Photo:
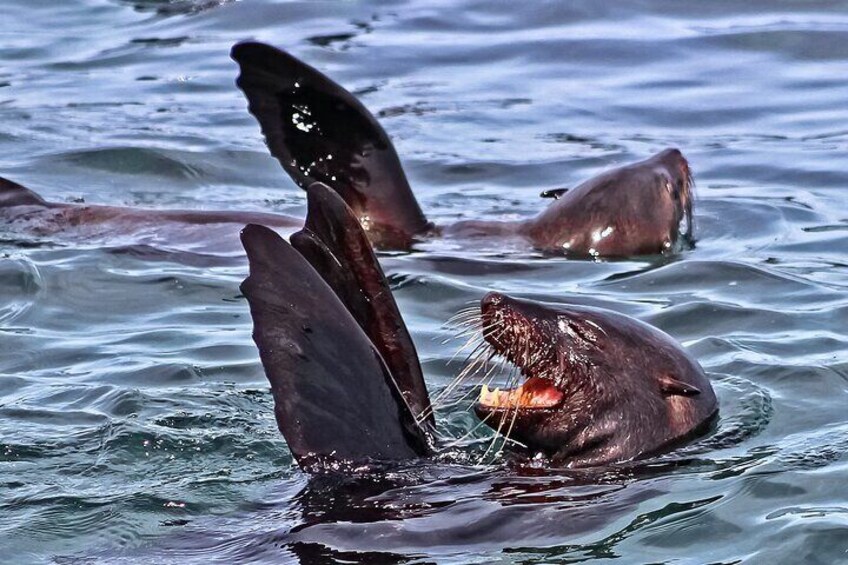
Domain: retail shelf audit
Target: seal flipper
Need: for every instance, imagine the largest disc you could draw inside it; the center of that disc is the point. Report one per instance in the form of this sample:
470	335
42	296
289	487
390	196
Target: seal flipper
334	243
334	398
319	131
14	194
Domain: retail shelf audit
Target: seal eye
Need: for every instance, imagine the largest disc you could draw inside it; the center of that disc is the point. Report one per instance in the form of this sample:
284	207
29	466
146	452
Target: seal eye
575	330
673	190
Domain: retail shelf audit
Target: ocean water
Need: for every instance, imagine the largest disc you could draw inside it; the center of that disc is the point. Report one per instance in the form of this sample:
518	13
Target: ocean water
135	420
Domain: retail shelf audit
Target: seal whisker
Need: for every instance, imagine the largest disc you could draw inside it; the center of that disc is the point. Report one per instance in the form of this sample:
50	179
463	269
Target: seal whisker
493	442
481	355
472	343
488	376
462	319
462	332
472	340
486	379
464	324
471	312
461	335
506	437
510	378
467	310
456	442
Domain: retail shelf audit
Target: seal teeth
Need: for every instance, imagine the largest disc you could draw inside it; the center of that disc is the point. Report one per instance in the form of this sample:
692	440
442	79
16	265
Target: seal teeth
534	394
487	396
495	397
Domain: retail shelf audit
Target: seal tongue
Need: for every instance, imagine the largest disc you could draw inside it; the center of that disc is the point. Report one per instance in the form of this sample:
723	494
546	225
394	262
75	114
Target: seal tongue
534	393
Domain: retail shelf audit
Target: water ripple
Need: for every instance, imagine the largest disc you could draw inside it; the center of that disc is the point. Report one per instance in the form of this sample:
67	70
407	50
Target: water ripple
135	420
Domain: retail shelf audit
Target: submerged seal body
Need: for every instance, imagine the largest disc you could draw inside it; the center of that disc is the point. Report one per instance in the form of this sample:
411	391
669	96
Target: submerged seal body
601	387
20	205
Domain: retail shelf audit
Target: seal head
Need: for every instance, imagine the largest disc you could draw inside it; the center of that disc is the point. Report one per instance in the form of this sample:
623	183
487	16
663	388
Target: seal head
599	387
636	209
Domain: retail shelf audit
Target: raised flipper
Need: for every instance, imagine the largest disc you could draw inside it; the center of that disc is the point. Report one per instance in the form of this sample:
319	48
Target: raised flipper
333	241
334	397
13	194
318	131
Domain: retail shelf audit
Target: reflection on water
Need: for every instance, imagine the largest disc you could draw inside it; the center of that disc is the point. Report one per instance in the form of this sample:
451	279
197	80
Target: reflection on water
135	422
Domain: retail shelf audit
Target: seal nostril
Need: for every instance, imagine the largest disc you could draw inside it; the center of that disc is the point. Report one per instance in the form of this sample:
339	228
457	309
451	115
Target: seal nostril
491	300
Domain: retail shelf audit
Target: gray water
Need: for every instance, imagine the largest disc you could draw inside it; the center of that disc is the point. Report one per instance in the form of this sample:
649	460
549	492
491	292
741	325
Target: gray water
135	421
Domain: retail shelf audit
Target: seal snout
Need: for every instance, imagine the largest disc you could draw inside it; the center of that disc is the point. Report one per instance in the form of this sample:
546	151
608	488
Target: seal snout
491	314
491	300
513	335
673	159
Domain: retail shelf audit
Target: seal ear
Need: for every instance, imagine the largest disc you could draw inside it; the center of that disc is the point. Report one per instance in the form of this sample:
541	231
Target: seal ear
334	397
319	131
14	194
673	387
554	193
333	241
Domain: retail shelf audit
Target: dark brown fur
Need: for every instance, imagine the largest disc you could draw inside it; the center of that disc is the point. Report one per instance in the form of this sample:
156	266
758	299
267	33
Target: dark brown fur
319	131
629	390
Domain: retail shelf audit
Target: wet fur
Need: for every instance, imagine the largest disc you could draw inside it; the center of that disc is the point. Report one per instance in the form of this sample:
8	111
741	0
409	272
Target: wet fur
629	389
348	387
319	131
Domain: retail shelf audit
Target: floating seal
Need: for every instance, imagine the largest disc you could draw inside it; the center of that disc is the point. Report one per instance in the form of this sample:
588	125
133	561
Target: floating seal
320	132
601	387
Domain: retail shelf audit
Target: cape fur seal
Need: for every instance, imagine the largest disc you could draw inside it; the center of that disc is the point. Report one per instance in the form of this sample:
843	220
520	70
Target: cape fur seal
320	132
600	387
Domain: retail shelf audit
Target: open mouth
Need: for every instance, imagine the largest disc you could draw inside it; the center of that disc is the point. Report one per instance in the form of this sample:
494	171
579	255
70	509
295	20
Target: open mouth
522	345
534	393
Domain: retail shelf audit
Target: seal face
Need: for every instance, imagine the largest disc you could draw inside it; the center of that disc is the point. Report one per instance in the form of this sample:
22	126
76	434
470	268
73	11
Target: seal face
631	210
599	386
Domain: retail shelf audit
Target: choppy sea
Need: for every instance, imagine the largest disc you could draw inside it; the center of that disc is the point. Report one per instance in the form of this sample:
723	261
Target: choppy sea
135	420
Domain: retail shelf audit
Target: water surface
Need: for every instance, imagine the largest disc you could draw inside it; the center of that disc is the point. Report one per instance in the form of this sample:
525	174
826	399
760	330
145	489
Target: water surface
135	421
